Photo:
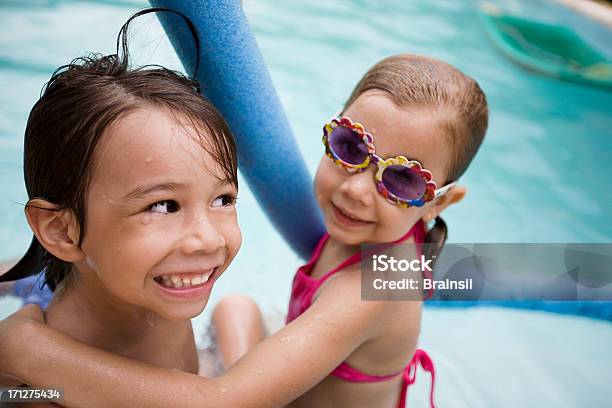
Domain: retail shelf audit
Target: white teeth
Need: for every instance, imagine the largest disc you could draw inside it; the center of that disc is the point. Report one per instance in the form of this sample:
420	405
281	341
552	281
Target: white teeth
177	282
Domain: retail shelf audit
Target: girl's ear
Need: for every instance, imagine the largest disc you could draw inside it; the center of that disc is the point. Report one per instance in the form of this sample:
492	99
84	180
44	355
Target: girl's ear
56	230
452	196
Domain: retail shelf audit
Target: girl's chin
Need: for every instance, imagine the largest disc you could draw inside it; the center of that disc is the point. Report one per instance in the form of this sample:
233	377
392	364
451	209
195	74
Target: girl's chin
345	237
176	315
177	312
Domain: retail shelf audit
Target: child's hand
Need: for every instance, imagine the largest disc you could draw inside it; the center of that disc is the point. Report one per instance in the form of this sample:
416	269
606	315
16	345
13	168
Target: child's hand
15	331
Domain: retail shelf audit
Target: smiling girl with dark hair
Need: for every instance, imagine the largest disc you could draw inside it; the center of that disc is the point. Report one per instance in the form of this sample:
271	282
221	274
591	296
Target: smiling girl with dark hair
131	178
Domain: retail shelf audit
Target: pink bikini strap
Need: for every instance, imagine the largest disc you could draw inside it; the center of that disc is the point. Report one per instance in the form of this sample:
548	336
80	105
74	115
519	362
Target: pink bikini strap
420	357
351	374
317	252
355	258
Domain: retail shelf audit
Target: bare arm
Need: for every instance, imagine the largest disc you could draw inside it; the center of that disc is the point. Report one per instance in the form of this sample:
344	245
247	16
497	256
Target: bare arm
277	371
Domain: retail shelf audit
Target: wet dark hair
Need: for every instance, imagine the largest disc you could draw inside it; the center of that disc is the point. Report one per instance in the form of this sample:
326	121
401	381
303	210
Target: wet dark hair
81	101
413	80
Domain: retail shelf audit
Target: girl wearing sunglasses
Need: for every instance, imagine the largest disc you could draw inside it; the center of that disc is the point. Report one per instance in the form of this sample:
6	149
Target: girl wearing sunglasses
392	159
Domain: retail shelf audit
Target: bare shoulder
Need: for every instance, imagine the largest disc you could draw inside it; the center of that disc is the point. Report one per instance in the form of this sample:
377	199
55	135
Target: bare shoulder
342	294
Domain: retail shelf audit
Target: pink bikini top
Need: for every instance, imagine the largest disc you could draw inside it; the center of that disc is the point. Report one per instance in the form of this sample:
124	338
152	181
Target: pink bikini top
304	289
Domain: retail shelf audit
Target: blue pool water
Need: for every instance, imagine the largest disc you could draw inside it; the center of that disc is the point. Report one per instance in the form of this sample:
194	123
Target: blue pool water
542	175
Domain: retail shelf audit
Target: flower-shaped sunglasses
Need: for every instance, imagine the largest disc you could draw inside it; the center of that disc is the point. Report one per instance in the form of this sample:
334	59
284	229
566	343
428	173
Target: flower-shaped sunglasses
401	181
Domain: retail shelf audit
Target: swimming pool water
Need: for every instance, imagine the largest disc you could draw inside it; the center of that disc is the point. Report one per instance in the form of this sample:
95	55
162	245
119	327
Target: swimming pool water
542	175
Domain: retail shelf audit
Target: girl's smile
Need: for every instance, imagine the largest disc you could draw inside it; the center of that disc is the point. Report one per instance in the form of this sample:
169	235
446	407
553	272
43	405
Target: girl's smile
347	218
188	284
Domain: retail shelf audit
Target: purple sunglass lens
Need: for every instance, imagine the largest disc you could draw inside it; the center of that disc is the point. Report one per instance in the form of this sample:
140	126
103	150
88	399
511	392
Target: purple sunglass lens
403	182
348	146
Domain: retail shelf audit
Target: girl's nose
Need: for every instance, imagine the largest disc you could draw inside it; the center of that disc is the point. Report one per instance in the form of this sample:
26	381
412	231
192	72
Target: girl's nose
203	236
359	187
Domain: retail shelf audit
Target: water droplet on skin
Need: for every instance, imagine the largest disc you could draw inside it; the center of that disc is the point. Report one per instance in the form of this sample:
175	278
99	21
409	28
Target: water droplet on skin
148	159
151	319
222	389
287	338
91	264
146	219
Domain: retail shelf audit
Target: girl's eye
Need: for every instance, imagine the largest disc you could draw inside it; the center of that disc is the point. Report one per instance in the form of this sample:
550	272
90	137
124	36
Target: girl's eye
225	200
164	207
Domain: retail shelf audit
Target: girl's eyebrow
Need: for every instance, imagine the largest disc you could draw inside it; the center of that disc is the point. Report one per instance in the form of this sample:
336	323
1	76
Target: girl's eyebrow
406	156
152	188
223	181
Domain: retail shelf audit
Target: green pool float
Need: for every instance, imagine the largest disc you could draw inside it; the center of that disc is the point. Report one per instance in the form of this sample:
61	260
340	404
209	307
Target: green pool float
548	49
